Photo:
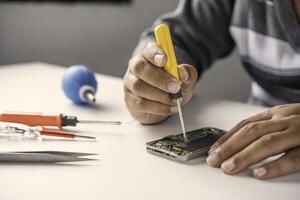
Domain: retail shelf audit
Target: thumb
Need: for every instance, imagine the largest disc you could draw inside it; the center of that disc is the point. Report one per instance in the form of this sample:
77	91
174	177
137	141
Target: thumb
188	75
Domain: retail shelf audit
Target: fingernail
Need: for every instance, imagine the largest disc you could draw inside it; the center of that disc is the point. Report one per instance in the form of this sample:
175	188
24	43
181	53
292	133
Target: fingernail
174	87
260	172
228	166
213	148
174	109
213	159
158	59
184	74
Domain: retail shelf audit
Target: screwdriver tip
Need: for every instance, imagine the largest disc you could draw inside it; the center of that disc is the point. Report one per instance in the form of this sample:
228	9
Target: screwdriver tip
85	137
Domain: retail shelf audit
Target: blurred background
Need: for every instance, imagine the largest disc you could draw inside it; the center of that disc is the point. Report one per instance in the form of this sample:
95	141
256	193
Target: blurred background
101	36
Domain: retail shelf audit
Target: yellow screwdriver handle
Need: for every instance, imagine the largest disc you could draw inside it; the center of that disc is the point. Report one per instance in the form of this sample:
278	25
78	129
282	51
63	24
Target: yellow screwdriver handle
164	41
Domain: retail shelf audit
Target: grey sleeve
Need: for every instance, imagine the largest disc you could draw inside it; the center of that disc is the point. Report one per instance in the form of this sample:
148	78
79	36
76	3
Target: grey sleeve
200	31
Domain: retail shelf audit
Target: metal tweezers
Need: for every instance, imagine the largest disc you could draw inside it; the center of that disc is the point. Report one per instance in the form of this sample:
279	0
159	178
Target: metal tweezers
44	156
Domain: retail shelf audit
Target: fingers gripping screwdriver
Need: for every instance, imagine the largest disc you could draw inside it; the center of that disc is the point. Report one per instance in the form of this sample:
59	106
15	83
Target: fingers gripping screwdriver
35	119
164	41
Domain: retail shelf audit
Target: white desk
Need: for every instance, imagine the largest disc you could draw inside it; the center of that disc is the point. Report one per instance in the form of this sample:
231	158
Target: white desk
125	169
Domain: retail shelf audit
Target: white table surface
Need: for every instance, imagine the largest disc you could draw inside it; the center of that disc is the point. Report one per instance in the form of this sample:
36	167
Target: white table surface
125	170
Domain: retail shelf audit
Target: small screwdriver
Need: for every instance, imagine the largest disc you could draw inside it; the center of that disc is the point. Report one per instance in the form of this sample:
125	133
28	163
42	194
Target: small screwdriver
36	119
164	41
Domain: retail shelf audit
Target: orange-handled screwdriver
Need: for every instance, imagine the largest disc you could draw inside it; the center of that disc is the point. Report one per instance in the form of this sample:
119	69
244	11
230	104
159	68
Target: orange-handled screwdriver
33	119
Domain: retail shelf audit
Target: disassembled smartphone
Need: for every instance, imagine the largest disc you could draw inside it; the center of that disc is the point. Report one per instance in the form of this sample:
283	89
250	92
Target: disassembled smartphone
174	147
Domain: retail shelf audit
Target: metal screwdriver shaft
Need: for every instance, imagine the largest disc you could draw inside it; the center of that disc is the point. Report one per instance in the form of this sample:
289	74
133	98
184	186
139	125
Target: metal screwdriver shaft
181	120
84	137
99	122
73	121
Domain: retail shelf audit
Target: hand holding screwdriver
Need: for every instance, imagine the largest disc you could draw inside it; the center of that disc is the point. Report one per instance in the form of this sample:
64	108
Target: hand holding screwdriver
147	86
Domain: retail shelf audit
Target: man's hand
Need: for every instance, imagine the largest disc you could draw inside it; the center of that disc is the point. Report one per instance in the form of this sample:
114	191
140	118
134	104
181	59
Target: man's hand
267	134
147	86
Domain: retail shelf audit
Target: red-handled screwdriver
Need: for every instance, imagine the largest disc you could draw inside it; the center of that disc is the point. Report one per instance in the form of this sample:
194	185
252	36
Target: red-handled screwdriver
33	119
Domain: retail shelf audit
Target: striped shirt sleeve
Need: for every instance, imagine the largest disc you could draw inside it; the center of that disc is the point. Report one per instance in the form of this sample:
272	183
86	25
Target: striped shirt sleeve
200	31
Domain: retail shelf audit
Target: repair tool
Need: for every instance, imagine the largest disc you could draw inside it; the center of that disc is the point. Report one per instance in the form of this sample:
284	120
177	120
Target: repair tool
37	119
44	156
80	85
21	130
164	41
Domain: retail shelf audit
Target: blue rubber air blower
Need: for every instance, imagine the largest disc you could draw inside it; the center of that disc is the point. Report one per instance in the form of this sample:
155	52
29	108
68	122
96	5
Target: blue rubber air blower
80	85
